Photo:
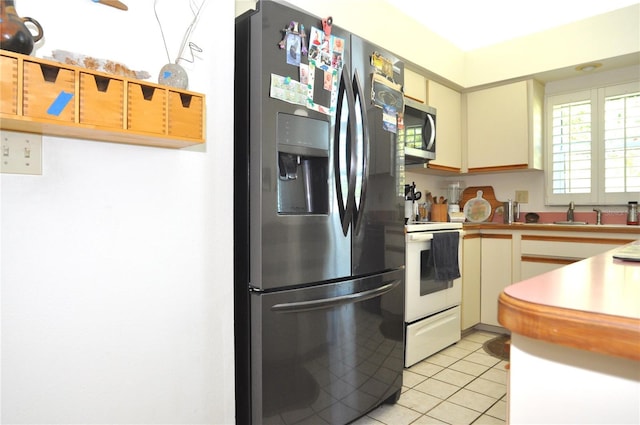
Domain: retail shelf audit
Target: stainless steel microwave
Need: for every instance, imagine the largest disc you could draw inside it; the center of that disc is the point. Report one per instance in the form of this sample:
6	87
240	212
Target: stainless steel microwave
418	133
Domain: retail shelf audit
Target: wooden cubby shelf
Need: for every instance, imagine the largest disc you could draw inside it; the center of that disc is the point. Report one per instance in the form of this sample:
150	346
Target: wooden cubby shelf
47	97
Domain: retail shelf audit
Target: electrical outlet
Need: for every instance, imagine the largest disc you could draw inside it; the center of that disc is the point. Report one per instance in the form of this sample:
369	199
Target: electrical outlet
21	153
522	196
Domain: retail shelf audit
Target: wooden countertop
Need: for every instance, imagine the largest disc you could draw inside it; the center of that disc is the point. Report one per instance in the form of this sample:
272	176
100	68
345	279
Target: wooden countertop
592	305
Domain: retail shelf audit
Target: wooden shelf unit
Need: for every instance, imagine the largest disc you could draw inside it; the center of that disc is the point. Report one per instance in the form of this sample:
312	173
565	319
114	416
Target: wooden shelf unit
47	97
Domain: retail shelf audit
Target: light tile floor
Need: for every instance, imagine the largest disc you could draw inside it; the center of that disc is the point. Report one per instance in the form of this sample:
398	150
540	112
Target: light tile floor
461	384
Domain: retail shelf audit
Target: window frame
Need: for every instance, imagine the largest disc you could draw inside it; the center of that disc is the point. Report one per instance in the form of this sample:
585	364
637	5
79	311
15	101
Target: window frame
596	94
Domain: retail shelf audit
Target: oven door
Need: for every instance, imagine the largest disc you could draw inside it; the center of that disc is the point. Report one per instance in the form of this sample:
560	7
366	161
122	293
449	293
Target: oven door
425	295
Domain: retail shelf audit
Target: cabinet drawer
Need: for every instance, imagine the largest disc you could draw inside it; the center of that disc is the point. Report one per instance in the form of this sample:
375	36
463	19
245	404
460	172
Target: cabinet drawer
8	85
185	115
147	108
431	335
49	92
101	100
567	248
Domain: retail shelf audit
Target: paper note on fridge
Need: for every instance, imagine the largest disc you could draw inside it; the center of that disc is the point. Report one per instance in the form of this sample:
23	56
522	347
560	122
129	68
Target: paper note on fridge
288	90
384	92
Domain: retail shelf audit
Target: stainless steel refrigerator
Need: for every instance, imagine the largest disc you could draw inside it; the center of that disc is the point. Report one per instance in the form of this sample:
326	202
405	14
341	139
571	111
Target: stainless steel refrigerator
319	220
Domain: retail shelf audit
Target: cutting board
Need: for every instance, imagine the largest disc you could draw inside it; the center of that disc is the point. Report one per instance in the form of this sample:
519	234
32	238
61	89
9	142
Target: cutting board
487	193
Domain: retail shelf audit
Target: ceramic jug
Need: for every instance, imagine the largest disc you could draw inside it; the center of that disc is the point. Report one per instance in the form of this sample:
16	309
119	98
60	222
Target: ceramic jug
14	34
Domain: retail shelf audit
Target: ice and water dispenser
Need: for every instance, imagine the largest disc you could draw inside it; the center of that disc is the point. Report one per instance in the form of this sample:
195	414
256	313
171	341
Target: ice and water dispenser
303	165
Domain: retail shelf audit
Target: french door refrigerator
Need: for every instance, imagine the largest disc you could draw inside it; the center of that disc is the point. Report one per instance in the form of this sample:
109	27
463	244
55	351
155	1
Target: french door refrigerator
319	221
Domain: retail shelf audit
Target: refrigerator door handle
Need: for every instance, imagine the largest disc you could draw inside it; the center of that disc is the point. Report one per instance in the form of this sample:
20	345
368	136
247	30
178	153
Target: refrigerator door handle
302	306
362	124
344	159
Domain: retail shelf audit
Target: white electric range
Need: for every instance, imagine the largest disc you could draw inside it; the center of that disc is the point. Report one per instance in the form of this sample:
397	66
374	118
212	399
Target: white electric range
432	307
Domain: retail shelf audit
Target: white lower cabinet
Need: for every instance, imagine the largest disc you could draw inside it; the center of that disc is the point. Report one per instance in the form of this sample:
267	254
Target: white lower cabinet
542	253
534	267
494	259
470	280
495	274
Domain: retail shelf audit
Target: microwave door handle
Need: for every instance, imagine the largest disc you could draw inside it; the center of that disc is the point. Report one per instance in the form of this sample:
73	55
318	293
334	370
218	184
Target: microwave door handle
429	124
344	130
363	136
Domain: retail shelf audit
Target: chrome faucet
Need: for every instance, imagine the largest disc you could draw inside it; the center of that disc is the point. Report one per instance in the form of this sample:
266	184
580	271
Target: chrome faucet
598	216
570	211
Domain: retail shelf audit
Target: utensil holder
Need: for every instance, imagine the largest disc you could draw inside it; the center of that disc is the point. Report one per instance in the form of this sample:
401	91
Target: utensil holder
439	212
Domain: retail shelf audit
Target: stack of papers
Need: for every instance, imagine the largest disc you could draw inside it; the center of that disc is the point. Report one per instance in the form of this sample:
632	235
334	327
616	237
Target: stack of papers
628	253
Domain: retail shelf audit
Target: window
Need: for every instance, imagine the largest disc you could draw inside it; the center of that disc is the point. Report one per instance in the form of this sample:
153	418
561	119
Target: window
622	143
593	146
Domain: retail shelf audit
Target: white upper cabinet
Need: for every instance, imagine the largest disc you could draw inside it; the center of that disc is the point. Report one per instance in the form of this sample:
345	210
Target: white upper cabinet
448	127
504	127
448	104
415	86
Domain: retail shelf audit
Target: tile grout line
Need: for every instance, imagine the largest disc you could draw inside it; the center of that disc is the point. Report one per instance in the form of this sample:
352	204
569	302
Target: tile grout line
475	377
479	350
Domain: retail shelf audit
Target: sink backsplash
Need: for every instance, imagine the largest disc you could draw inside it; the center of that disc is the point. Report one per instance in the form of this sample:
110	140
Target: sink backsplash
608	217
504	188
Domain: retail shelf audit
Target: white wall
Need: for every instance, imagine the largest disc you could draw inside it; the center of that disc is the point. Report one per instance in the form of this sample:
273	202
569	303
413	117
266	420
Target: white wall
387	27
593	39
116	263
504	185
604	36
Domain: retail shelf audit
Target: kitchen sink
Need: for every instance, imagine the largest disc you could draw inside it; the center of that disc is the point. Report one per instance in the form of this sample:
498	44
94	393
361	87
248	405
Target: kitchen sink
570	223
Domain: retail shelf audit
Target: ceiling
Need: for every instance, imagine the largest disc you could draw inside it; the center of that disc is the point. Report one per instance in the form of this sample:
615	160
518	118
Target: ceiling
471	24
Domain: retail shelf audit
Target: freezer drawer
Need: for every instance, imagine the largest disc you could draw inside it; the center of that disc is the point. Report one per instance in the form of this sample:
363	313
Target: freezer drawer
430	335
329	353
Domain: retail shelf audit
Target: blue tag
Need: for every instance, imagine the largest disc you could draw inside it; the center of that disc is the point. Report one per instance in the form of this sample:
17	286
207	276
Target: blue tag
60	103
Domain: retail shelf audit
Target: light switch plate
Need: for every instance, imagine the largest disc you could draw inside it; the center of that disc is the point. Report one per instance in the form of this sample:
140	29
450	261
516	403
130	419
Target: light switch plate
522	196
20	153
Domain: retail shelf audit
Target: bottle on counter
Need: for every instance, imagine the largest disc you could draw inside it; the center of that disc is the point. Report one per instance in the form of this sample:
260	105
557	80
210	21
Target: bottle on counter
632	213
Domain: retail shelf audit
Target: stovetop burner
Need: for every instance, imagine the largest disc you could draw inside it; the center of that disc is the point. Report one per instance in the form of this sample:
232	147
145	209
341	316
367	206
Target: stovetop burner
427	226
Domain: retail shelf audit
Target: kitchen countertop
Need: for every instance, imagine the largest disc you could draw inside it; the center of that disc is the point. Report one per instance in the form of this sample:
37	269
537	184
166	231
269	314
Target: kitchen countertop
600	228
592	305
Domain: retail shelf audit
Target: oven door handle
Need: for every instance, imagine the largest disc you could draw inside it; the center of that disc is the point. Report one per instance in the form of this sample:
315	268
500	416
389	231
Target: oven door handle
419	237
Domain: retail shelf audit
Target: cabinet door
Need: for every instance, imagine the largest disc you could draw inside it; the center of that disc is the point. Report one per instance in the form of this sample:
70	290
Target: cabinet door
449	127
470	281
530	268
504	127
415	86
495	266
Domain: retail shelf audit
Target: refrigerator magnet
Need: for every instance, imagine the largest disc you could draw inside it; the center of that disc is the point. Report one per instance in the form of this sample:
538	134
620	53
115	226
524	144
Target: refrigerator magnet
382	65
293	44
304	74
384	92
326	26
288	90
296	29
389	118
328	80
